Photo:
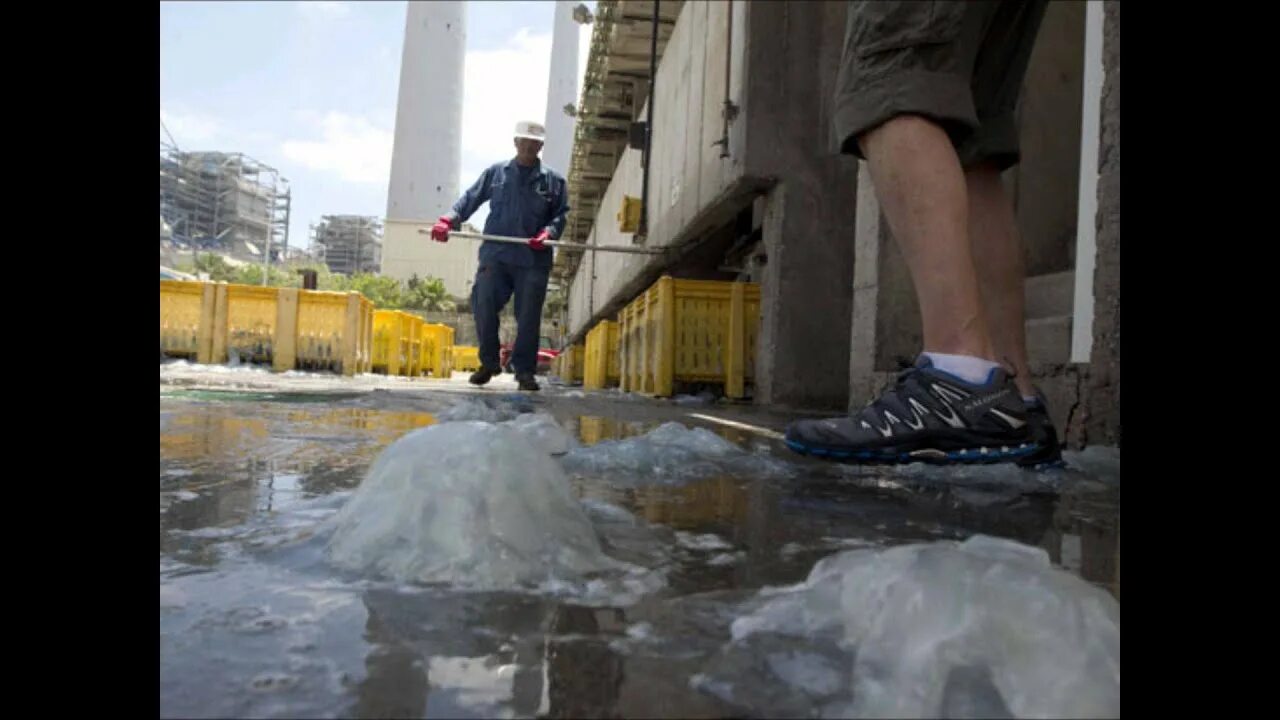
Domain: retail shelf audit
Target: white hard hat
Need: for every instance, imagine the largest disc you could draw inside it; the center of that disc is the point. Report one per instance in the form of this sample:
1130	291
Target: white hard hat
531	131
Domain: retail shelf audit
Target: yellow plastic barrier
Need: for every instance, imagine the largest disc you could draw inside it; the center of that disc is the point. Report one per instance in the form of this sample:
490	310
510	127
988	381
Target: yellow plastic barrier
416	356
245	323
287	327
334	332
601	368
437	349
186	319
394	336
466	358
572	363
690	331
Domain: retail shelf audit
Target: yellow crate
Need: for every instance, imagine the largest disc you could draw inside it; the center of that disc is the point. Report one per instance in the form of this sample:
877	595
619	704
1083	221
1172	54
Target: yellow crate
466	358
334	332
287	327
416	356
395	334
246	319
437	349
572	363
601	369
690	331
186	319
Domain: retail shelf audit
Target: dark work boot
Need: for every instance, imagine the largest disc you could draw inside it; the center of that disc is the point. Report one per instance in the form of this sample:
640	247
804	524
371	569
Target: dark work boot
483	375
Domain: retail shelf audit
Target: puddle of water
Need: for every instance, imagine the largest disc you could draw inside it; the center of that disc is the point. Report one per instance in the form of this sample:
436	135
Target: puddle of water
254	622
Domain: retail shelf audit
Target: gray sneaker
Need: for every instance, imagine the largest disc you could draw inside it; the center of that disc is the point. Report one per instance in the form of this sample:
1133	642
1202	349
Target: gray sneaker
927	416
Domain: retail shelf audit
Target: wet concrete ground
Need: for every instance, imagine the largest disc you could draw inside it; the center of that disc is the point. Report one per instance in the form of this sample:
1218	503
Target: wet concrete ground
253	622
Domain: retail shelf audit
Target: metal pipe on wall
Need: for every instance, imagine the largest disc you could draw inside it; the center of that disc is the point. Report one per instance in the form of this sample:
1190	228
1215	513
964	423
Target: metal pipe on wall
648	123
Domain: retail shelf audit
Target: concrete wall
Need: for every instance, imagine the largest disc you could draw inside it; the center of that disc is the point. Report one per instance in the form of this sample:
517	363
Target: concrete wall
839	308
688	174
784	59
689	181
1045	182
612	270
579	302
406	252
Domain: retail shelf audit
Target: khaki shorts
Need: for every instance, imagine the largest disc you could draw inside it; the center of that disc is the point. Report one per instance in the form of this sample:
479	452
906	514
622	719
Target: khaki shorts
958	63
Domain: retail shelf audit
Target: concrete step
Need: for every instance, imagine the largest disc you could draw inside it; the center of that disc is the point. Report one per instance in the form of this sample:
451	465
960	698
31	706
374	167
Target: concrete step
1050	295
1049	340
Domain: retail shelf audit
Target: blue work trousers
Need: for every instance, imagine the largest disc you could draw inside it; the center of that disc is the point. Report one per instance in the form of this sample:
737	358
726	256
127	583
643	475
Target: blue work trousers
496	282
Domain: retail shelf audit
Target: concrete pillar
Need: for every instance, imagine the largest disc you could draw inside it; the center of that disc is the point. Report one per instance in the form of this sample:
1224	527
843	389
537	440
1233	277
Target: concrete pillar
1103	422
803	346
1049	125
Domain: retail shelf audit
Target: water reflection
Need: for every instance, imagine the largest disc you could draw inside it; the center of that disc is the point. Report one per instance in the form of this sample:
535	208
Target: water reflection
231	469
592	429
782	527
205	435
584	674
223	464
488	655
395	683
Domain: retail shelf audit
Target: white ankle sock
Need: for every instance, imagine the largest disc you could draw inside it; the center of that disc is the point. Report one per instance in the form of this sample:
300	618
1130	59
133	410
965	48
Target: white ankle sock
966	367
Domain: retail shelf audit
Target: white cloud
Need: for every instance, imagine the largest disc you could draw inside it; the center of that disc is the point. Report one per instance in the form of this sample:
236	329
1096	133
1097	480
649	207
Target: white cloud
321	10
503	86
189	128
350	147
584	52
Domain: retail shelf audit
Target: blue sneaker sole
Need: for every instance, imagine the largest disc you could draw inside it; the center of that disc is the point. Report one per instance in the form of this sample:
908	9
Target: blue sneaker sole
971	456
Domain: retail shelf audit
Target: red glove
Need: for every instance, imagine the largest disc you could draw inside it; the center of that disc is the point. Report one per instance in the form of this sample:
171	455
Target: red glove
440	231
537	240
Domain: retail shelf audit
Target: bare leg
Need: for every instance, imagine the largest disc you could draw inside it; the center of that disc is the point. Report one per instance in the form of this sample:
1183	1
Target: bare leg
997	253
921	187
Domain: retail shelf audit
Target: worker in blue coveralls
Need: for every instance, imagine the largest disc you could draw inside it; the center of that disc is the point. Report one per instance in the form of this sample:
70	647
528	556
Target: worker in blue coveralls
526	199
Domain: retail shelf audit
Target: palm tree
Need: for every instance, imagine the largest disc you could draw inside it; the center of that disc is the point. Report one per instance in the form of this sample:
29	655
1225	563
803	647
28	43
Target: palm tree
429	294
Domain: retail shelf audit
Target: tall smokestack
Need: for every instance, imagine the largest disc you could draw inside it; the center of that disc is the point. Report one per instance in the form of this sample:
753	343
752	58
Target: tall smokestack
562	88
427	153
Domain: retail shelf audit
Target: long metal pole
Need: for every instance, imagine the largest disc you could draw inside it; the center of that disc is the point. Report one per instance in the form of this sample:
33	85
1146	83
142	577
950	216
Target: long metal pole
551	243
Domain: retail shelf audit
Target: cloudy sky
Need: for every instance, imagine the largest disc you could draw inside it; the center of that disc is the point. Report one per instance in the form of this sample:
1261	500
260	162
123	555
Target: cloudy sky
310	89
